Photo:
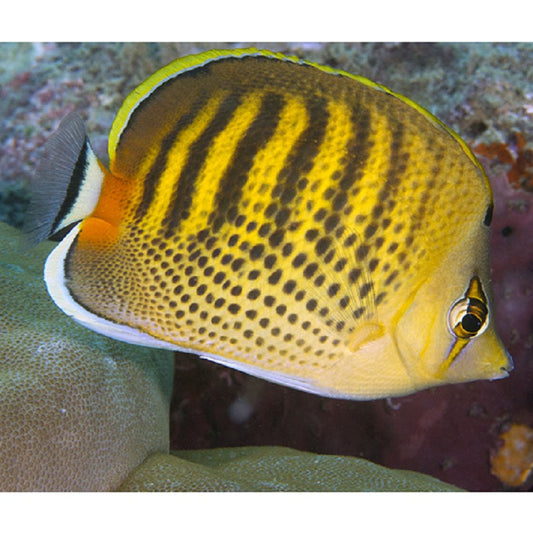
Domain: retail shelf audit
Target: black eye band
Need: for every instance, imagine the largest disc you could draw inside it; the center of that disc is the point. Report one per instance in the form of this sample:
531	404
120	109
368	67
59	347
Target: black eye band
468	317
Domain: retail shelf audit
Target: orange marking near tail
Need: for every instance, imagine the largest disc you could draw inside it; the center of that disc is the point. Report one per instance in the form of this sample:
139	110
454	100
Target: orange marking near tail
115	198
97	233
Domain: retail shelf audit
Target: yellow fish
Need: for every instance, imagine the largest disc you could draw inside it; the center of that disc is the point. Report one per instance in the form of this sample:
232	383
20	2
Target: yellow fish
286	219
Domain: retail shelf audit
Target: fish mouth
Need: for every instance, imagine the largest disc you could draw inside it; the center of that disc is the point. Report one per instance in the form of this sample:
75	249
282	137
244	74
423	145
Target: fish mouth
505	371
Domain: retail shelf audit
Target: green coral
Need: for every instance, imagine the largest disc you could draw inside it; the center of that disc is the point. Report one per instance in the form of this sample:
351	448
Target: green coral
79	411
266	468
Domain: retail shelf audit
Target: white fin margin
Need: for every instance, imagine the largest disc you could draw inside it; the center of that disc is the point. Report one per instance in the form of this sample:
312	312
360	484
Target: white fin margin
54	277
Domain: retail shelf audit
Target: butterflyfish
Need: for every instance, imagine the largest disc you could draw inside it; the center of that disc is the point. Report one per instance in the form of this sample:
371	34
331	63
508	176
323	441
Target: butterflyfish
289	220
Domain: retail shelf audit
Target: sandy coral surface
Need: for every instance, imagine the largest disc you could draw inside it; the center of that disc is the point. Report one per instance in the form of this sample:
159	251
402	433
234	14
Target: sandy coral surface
78	411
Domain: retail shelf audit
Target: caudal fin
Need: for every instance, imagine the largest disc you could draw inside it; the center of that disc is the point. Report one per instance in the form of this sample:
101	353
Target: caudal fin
67	184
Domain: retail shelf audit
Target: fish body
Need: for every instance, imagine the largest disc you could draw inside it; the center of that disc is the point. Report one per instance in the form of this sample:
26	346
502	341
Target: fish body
289	220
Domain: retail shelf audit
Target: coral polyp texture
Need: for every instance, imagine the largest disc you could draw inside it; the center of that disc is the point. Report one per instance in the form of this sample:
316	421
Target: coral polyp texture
78	411
271	468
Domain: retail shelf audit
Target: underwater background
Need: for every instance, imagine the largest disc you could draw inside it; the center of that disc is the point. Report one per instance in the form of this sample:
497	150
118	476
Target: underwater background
477	436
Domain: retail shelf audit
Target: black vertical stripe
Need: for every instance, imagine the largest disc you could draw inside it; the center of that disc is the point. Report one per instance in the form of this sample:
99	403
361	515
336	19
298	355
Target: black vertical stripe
304	151
358	148
179	207
235	176
74	185
397	166
154	174
424	204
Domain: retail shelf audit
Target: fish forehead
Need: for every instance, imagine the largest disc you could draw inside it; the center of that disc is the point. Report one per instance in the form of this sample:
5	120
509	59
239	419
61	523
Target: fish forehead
275	207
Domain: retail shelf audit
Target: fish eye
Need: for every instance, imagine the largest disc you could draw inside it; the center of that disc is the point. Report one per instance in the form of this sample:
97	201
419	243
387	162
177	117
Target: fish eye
468	318
471	323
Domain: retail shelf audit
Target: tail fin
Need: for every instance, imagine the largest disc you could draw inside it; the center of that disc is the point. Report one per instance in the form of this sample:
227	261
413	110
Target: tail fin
68	182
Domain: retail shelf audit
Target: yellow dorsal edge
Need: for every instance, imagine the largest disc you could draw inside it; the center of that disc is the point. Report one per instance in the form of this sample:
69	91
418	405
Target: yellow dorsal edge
190	62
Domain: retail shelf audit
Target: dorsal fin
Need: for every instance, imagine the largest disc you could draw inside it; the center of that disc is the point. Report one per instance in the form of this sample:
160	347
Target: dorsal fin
67	184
